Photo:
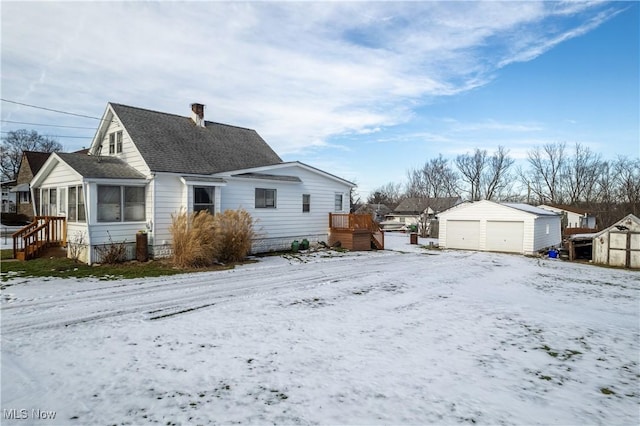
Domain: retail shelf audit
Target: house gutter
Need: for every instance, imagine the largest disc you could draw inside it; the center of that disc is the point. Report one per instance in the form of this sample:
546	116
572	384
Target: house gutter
88	219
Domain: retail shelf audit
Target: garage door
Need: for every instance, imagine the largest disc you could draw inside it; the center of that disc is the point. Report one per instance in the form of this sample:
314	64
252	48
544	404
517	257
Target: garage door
505	236
463	234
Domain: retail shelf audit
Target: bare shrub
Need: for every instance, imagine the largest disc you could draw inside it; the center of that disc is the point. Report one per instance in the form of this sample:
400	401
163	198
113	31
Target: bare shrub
113	252
194	239
77	244
234	232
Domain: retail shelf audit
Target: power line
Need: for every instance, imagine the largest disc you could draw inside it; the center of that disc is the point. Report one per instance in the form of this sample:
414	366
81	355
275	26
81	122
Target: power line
47	125
61	136
50	109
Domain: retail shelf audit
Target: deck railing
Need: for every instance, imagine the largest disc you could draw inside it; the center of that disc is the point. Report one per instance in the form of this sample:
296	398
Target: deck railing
43	232
352	222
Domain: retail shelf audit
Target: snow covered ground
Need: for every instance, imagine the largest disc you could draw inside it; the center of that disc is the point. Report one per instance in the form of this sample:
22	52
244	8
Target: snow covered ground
404	336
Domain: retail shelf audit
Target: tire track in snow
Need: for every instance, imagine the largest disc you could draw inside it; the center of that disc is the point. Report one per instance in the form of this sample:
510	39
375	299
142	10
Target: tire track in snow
173	295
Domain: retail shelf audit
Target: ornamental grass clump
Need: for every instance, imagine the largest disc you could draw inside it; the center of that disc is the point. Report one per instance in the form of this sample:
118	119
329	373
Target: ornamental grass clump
194	239
234	232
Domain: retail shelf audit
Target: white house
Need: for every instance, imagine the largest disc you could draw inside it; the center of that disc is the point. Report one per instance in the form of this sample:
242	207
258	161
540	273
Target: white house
500	227
8	197
144	166
619	244
414	211
575	217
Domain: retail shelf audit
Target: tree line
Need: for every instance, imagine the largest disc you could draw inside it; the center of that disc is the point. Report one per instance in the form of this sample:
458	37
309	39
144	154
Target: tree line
554	173
18	141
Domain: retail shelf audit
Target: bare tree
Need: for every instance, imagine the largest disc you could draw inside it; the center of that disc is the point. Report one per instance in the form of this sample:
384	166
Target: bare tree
580	175
435	179
497	178
18	141
544	178
389	195
471	167
627	183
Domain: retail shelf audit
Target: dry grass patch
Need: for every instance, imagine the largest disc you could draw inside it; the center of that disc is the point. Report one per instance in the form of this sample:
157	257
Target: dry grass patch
194	239
200	239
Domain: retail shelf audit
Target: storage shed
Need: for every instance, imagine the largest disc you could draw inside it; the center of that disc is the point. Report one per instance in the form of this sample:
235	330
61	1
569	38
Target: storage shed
619	244
500	227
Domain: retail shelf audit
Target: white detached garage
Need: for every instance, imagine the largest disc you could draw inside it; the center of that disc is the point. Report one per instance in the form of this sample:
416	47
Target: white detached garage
500	227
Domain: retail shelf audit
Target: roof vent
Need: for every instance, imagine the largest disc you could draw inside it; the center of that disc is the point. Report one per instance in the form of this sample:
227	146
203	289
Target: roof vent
197	114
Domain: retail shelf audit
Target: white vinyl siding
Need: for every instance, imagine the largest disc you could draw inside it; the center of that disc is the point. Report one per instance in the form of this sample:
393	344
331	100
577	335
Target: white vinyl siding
543	239
128	151
288	220
496	224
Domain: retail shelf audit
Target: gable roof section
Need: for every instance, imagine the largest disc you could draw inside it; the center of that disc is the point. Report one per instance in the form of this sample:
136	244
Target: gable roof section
419	205
36	160
172	143
88	167
630	222
94	167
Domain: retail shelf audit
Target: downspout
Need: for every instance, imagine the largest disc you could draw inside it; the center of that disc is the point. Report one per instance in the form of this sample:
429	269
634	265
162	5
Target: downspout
152	228
87	217
33	201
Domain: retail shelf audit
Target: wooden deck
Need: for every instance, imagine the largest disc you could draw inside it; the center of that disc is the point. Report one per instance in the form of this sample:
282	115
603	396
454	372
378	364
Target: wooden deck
44	232
355	231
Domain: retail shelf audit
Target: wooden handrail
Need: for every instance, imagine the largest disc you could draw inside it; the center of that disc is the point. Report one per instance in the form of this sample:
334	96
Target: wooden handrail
38	235
357	222
352	221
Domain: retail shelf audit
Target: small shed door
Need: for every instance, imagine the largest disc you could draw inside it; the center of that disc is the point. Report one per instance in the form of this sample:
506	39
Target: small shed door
463	234
505	237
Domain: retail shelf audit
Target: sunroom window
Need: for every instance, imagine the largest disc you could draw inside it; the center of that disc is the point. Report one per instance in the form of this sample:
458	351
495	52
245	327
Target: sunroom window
121	203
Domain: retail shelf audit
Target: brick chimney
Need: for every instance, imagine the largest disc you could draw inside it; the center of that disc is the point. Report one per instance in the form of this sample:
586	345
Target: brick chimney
197	114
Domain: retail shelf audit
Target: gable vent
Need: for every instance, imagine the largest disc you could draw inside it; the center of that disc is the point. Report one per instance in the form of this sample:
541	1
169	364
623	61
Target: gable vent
197	114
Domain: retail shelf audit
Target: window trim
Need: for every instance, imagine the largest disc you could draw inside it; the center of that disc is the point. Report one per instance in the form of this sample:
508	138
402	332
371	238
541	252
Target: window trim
306	207
122	204
335	202
115	142
263	198
79	207
45	209
212	206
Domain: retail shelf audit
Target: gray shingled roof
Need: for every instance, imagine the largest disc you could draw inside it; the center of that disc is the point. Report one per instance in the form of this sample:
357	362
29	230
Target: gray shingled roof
419	205
172	143
91	166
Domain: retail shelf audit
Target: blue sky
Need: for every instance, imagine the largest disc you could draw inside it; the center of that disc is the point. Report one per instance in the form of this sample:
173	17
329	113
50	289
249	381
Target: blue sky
364	90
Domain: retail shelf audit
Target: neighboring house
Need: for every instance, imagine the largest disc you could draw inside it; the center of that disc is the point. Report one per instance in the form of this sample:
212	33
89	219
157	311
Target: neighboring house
500	227
413	211
30	164
145	166
574	217
619	244
377	211
8	196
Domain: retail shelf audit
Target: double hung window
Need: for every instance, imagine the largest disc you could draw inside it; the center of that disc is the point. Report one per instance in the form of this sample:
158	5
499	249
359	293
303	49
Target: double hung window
265	198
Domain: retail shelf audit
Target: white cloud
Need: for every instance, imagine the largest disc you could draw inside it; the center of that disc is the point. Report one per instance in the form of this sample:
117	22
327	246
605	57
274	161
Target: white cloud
299	73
